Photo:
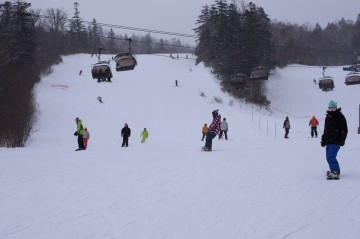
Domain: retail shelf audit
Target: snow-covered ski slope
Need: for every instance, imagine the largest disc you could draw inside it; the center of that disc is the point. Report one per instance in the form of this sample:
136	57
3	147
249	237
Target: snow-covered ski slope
255	185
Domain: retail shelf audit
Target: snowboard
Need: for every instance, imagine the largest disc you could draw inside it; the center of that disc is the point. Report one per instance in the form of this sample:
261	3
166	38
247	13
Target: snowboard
205	149
328	177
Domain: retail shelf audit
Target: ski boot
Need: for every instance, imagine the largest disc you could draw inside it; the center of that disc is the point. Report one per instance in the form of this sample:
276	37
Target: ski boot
332	175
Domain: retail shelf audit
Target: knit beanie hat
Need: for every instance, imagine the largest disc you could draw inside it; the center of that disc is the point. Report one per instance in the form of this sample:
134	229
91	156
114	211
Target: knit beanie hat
332	105
215	112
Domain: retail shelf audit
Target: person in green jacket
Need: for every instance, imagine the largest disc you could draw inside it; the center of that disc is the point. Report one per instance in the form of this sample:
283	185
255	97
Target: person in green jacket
79	133
144	135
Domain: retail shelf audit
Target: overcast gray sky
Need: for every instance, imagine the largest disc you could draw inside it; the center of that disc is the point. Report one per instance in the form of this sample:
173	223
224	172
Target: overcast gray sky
180	15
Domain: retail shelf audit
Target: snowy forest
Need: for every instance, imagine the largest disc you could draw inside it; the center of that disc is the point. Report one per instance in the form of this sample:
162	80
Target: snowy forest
232	39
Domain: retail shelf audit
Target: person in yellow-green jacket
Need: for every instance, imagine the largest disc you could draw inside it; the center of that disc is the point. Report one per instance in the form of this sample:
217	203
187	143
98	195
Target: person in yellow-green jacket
144	135
79	133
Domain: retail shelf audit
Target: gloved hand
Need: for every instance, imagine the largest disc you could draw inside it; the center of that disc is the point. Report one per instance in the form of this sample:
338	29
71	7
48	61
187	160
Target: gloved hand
342	143
322	144
76	133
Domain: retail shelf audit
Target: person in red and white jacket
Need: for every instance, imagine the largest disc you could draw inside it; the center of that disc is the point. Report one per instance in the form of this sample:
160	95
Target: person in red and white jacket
213	130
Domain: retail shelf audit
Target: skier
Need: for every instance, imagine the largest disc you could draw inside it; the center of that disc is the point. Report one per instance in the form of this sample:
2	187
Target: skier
125	133
286	126
100	99
204	131
80	72
86	137
314	123
334	136
144	135
223	129
79	133
213	130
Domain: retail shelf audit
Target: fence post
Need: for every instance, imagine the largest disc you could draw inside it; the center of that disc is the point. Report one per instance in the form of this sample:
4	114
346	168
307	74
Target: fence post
359	119
275	130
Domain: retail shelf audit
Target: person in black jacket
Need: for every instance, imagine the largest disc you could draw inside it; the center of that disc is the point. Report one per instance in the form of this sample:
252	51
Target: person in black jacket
125	133
334	136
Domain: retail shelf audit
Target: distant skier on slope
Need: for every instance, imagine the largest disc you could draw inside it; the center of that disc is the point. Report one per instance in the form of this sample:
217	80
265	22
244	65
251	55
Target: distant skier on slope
144	135
286	126
125	133
86	137
314	123
223	129
79	133
334	136
213	130
204	130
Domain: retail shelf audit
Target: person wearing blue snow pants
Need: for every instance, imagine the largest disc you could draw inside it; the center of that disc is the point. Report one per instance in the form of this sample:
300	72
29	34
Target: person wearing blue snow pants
331	153
334	136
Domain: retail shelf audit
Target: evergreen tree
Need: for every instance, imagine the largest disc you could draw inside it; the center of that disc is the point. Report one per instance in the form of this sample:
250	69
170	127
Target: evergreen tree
77	32
111	41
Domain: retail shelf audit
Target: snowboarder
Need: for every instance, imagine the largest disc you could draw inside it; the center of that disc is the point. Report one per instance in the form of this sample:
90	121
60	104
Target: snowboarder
125	133
213	130
144	135
334	136
223	129
286	126
314	123
79	133
86	137
204	131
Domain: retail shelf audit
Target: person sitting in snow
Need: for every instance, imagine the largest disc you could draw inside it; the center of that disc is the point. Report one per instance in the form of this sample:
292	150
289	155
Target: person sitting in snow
213	130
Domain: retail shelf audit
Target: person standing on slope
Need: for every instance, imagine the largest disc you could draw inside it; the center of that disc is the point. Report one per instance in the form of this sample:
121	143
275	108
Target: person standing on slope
334	136
314	123
125	133
286	126
86	137
144	135
204	131
79	133
223	129
213	130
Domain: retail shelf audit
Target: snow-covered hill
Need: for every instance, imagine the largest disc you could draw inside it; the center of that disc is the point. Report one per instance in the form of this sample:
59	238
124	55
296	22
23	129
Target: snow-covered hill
255	185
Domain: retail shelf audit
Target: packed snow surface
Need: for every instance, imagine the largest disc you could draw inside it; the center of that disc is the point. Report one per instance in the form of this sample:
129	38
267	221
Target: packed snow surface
254	185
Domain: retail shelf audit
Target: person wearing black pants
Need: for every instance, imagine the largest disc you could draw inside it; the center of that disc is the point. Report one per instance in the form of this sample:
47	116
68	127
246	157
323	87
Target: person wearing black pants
125	133
286	126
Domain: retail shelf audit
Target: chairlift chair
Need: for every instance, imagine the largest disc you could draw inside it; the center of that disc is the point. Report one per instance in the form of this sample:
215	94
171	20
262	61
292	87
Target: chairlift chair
101	71
259	73
326	83
125	61
352	78
238	81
